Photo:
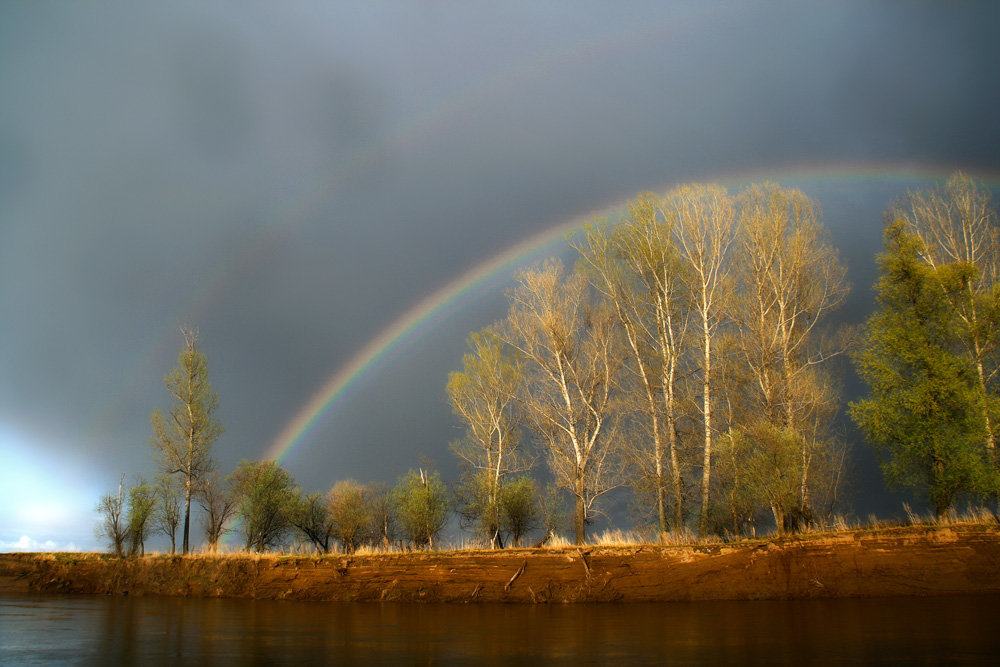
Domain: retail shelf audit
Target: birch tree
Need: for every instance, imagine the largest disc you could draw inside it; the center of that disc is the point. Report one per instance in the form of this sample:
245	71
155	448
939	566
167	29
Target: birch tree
571	354
791	277
483	396
704	222
635	266
182	439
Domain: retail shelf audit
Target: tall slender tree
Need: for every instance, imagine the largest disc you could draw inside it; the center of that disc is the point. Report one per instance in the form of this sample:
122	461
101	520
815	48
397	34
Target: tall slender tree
571	354
483	396
790	277
635	266
182	439
704	219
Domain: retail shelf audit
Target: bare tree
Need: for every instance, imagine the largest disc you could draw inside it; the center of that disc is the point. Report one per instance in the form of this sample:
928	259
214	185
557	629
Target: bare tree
182	439
791	277
167	515
310	513
703	218
957	225
635	266
218	500
483	396
571	355
113	525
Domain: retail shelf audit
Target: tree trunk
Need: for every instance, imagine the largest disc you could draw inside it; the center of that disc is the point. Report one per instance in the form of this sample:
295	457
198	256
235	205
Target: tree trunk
991	446
779	518
187	513
706	473
580	514
675	472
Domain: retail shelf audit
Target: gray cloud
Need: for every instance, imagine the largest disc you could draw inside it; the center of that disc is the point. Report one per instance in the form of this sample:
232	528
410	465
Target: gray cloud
294	179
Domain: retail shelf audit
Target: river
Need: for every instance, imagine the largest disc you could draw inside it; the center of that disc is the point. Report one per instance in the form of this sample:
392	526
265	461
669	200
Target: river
90	630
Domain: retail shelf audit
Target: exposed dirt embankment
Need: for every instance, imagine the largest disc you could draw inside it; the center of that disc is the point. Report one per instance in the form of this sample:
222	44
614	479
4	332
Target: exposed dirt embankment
898	561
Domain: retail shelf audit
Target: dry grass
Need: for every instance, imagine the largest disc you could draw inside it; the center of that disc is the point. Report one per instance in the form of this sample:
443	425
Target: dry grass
609	538
973	515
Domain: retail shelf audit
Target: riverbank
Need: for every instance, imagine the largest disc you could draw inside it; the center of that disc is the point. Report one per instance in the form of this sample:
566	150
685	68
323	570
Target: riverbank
914	560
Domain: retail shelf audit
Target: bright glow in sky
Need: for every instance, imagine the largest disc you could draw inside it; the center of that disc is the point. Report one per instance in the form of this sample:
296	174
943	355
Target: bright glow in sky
45	504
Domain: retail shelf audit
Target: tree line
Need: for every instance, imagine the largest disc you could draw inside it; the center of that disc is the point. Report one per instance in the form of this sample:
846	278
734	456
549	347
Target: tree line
684	355
260	497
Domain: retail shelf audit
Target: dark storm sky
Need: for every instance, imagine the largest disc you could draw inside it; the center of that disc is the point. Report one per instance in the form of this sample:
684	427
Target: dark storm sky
293	179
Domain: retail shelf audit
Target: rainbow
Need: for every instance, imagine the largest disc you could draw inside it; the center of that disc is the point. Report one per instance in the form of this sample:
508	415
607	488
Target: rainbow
417	320
498	84
463	289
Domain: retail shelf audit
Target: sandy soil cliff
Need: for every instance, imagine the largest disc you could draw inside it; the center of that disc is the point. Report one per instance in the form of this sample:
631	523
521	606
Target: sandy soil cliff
897	561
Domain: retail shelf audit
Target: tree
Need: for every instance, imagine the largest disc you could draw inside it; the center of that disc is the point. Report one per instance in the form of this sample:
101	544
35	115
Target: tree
384	526
311	515
182	439
350	513
141	505
218	501
422	503
266	497
736	506
113	525
167	513
925	410
790	278
703	218
483	396
957	226
518	508
571	353
477	501
553	512
511	507
635	266
771	469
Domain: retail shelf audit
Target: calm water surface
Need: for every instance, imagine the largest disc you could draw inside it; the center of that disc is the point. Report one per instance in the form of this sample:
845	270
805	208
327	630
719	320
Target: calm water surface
49	629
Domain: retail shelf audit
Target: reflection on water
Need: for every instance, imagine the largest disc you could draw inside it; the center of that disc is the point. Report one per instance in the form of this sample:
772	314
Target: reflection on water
50	629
